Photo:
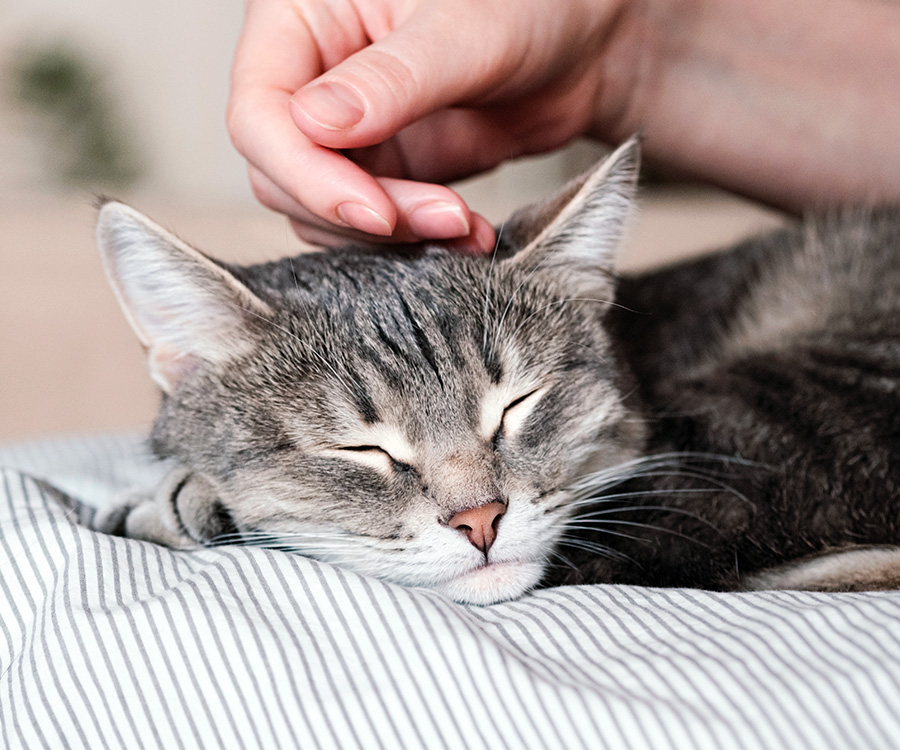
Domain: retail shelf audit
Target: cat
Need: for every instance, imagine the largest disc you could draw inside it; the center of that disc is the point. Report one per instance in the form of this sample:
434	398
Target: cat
484	425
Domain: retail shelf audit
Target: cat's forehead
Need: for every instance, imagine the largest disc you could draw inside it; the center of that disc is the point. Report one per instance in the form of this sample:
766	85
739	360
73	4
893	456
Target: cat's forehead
383	335
350	277
407	287
428	343
406	315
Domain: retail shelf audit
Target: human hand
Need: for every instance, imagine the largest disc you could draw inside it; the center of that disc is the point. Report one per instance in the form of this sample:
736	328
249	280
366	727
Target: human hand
348	112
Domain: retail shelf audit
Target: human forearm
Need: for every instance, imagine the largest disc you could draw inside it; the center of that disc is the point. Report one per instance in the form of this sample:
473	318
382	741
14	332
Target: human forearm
797	104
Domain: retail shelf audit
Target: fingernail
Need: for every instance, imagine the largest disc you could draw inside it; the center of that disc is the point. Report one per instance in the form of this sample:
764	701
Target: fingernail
364	219
330	105
484	236
439	220
480	241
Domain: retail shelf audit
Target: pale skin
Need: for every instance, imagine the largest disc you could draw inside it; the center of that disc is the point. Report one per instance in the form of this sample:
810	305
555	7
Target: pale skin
351	113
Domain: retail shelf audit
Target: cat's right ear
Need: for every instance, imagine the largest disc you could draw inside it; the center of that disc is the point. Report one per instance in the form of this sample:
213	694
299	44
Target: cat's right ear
184	307
575	234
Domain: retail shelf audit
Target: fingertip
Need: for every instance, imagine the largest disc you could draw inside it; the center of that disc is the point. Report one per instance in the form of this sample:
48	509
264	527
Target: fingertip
480	241
483	235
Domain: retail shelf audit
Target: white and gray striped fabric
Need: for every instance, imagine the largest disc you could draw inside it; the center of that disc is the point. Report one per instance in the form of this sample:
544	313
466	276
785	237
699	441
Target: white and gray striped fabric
112	643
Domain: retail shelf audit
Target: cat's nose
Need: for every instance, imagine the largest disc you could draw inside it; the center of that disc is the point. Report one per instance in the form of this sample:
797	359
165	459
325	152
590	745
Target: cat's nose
479	524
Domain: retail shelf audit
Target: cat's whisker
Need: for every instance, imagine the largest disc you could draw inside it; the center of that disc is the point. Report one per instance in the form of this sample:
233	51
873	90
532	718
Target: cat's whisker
586	499
565	560
595	548
682	466
595	527
608	532
291	542
347	553
599	499
679	457
719	483
310	542
634	508
627	468
301	542
596	487
487	290
296	545
268	534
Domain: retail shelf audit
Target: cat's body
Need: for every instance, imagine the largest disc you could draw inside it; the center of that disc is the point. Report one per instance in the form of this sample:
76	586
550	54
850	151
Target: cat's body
784	352
482	425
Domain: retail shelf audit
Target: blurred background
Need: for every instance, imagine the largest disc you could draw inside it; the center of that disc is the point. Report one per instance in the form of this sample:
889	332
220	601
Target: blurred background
128	99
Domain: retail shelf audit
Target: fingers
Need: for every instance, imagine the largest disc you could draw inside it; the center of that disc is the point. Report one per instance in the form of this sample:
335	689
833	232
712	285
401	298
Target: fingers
441	212
275	53
435	212
322	188
479	241
320	180
279	51
437	58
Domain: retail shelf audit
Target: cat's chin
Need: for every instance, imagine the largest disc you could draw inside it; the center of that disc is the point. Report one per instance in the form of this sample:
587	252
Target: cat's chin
490	584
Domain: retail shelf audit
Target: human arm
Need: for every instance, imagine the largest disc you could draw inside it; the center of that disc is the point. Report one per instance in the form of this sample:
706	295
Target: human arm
794	104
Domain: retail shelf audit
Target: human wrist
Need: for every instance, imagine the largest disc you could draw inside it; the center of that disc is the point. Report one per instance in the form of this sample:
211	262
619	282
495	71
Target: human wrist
643	40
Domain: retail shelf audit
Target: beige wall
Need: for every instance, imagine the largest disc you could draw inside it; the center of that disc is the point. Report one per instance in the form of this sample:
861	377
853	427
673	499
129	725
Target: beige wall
168	62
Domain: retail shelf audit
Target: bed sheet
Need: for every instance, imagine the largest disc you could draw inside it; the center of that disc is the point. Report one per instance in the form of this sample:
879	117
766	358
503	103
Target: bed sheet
113	643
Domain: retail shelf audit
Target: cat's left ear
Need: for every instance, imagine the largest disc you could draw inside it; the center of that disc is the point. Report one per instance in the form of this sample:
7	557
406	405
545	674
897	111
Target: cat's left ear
576	233
185	308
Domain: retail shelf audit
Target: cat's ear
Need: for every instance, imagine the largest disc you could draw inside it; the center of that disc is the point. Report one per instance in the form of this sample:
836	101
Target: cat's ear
184	307
576	232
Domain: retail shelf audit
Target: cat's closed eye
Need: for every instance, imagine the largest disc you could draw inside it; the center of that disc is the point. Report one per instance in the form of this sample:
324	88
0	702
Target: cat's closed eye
375	456
516	412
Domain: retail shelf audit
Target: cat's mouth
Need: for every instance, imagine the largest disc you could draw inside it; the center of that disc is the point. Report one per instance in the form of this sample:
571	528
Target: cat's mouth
493	582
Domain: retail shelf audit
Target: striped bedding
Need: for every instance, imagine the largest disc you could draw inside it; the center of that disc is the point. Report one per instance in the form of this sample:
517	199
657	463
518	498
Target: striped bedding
112	643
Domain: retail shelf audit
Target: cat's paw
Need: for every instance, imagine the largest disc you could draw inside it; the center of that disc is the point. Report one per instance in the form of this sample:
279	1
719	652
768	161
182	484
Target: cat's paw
112	518
149	518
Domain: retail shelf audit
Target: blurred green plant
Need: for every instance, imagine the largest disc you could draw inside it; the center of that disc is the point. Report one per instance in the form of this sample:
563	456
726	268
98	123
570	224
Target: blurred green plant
88	145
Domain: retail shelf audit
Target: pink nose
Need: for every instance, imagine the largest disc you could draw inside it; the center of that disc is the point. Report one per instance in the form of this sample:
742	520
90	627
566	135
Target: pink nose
480	524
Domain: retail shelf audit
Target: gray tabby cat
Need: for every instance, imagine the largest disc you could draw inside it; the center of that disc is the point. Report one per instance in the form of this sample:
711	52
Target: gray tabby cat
484	425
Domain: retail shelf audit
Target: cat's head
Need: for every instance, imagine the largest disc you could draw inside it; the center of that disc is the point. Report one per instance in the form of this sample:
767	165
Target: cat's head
413	414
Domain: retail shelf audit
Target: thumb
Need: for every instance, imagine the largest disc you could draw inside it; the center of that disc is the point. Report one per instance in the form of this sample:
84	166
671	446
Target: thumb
432	61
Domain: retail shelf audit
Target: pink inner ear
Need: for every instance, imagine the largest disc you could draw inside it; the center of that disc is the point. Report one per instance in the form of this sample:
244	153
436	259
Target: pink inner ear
168	366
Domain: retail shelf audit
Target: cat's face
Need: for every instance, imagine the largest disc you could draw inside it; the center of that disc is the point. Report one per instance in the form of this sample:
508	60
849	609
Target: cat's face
415	416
